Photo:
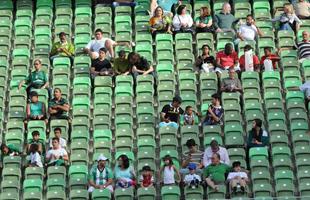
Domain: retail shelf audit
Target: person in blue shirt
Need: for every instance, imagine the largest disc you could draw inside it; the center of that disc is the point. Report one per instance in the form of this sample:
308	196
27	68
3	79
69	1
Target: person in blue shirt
167	5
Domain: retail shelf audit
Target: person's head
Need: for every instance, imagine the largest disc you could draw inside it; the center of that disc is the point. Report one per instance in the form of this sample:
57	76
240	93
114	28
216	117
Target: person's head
133	58
257	123
122	54
55	143
62	37
181	10
301	0
123	161
216	99
214	146
101	161
57	132
57	93
37	64
288	8
192	168
226	8
267	51
189	110
98	34
249	20
158	12
191	145
5	149
236	166
33	148
231	73
206	49
102	53
35	135
215	159
247	48
205	11
34	96
146	170
228	49
176	101
168	160
305	35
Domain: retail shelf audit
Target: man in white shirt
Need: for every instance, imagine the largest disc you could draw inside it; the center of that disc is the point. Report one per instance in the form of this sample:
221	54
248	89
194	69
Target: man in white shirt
62	141
56	156
215	148
248	31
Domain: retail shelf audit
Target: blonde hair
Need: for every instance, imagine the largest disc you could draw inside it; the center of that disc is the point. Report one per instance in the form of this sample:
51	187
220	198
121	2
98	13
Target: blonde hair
290	8
206	11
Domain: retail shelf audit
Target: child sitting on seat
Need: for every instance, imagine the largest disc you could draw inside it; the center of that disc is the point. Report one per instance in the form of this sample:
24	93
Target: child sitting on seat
237	178
146	178
192	180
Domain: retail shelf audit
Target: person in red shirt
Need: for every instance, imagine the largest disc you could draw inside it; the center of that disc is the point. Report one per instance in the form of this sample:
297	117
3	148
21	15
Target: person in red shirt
255	65
269	55
227	59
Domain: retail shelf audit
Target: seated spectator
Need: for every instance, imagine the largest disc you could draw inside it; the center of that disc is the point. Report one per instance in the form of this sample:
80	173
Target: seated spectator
250	65
37	79
227	59
58	107
168	171
248	31
215	112
139	65
101	66
257	137
305	88
237	178
304	47
205	62
100	176
121	64
146	178
224	21
302	9
192	156
124	173
168	6
270	58
160	23
204	21
35	140
35	109
56	156
211	150
9	150
189	116
62	141
231	83
182	22
170	113
62	48
35	156
288	20
117	3
214	173
192	180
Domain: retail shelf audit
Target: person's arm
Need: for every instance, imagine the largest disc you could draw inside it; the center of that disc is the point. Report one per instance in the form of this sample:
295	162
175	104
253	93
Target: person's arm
209	24
135	69
64	107
45	85
176	22
223	87
239	87
186	160
28	112
218	62
93	184
65	156
276	19
216	20
88	47
239	35
151	69
177	173
163	117
226	157
21	83
205	161
54	50
93	71
189	21
298	22
259	32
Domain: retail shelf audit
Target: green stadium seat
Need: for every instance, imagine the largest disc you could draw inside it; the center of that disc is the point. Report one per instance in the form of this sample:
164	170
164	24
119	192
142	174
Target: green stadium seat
99	194
148	193
78	195
35	185
10	186
9	196
196	193
51	195
34	173
170	192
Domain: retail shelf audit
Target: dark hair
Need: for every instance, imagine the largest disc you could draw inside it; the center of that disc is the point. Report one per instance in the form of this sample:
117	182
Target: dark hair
214	143
103	49
146	168
57	89
35	133
125	160
55	138
249	15
168	157
180	8
206	11
37	59
190	143
158	7
188	107
217	155
216	96
121	53
33	148
133	57
228	45
258	122
3	145
57	129
236	164
204	46
177	99
247	47
267	48
98	30
33	93
62	34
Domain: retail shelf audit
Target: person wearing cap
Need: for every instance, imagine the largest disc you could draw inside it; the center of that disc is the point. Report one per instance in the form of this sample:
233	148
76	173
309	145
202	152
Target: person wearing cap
215	113
121	64
192	179
35	109
192	156
170	113
237	177
62	48
212	149
100	176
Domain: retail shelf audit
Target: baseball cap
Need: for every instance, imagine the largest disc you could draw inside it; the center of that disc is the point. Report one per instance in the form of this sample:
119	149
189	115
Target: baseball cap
102	157
191	166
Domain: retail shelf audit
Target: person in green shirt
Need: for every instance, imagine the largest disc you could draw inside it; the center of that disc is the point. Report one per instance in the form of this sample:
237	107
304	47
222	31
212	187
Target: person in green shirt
121	64
214	174
62	48
204	21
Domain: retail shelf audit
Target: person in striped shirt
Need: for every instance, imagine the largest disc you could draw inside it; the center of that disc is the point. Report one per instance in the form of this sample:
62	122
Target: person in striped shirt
304	47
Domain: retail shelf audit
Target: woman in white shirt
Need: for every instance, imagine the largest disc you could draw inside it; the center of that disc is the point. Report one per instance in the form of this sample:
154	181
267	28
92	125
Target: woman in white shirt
182	21
56	156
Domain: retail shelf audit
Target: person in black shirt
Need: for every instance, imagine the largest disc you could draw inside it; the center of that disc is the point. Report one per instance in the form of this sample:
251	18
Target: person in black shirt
139	65
170	113
205	62
101	66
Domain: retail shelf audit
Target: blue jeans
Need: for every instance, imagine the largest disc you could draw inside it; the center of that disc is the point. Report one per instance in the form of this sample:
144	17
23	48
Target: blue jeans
286	27
172	124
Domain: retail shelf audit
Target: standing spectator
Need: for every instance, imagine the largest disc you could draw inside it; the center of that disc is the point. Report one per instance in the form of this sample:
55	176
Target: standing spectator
302	9
257	137
35	157
58	107
124	173
304	47
139	65
168	171
192	180
146	178
288	20
224	20
170	113
205	62
231	83
269	57
131	3
159	22
62	141
9	150
121	64
204	21
215	112
251	66
35	109
56	156
237	177
227	59
182	22
214	173
35	140
100	176
248	31
167	5
214	148
62	48
101	66
192	156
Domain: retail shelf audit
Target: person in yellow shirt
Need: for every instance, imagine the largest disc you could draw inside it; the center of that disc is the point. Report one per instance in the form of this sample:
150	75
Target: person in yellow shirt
62	48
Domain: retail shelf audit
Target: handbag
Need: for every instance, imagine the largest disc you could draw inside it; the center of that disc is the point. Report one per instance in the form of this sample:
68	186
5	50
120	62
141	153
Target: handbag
185	29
